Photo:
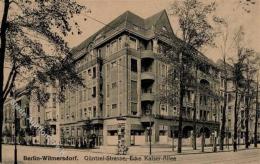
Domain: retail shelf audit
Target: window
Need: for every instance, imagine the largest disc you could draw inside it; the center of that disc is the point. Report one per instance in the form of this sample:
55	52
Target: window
229	97
94	92
133	108
72	131
120	43
133	43
67	130
229	109
133	90
80	96
94	111
54	100
163	73
108	69
114	106
99	52
133	65
48	115
114	46
113	64
85	112
89	93
89	111
94	72
84	95
39	108
78	132
80	113
114	85
107	90
163	109
107	50
108	109
229	123
39	120
89	72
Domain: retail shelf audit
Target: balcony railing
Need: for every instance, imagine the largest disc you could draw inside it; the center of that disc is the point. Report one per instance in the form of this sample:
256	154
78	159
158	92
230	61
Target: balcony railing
147	76
147	97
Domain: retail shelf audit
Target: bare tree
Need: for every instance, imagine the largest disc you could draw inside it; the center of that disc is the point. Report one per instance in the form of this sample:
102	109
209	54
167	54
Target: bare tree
33	45
238	78
250	71
224	36
196	32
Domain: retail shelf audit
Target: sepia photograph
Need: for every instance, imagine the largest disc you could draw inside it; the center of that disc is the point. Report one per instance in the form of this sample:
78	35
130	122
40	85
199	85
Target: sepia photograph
129	81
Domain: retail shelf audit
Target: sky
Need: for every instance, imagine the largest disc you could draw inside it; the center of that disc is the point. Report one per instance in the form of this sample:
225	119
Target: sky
105	11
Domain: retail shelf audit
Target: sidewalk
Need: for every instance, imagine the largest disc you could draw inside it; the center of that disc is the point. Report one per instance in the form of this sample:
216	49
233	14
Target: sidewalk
157	150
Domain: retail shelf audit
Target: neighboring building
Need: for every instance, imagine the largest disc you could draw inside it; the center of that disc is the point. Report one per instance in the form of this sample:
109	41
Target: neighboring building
241	108
23	125
40	116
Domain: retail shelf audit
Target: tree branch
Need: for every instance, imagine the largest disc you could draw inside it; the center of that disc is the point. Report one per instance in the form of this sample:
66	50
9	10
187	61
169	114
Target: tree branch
8	88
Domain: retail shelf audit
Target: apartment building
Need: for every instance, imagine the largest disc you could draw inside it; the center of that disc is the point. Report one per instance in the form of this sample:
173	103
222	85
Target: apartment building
30	115
241	107
123	75
9	121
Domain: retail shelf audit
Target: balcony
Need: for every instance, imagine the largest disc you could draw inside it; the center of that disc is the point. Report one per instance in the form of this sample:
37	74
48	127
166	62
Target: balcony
96	121
147	97
147	54
147	76
147	118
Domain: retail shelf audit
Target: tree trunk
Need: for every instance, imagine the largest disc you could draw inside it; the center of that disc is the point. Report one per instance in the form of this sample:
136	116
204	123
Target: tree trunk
247	123
2	57
182	92
235	121
247	106
223	125
1	126
180	119
194	143
256	114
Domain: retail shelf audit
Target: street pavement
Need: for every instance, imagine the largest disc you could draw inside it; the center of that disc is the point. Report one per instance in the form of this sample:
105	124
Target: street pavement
136	154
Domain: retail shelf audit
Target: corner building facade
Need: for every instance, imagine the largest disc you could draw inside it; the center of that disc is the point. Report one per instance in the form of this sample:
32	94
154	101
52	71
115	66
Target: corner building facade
123	76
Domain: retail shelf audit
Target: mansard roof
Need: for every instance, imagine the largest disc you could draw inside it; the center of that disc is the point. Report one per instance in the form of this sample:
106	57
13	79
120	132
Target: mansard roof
127	21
